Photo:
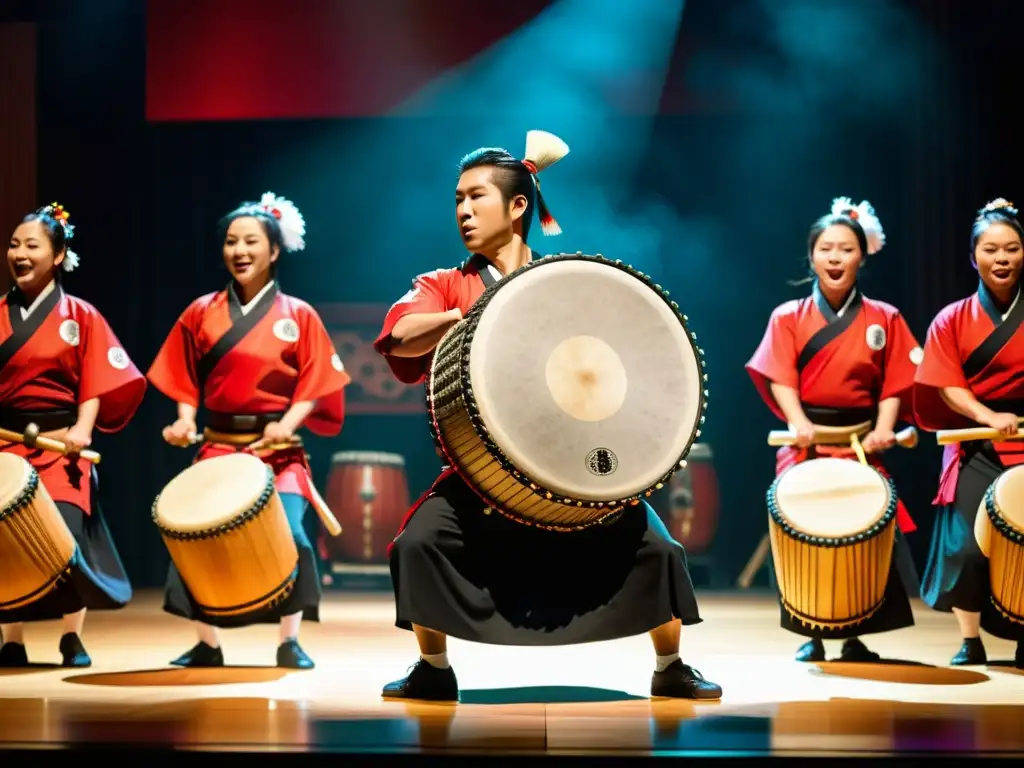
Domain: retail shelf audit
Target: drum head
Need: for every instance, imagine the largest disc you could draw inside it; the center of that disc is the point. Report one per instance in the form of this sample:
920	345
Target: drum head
586	379
374	458
831	498
14	474
1009	497
211	493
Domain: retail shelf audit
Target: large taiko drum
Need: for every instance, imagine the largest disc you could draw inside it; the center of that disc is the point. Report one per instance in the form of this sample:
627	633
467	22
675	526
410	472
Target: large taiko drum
832	524
36	546
227	533
369	493
999	531
688	505
572	389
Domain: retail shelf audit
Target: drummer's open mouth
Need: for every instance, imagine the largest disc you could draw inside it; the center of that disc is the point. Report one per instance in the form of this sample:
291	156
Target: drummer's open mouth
834	274
1002	273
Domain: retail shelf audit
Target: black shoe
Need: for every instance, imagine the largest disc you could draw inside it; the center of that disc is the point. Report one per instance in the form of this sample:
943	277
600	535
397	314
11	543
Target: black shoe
201	655
971	653
73	651
812	650
1018	657
425	682
13	655
680	681
855	651
291	656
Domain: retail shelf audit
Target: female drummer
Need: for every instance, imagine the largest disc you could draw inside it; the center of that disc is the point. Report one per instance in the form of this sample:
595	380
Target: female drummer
970	376
262	363
837	358
62	369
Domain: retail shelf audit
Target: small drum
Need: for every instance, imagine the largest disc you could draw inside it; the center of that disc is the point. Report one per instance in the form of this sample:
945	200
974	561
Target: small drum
832	524
226	530
369	493
999	531
688	505
36	546
571	389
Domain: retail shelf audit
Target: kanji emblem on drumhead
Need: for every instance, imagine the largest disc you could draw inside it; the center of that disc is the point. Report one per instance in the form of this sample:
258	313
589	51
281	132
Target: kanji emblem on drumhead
876	337
916	355
70	332
117	358
286	330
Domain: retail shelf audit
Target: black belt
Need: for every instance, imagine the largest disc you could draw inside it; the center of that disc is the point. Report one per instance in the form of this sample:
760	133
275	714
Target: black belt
240	423
47	421
839	417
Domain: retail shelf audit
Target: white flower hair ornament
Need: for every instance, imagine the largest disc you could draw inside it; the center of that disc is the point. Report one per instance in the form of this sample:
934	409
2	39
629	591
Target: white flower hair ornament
289	219
864	214
999	204
56	212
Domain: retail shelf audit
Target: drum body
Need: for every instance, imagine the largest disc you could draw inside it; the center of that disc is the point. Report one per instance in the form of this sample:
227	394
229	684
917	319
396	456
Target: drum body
688	505
369	493
36	546
228	535
832	524
999	531
571	390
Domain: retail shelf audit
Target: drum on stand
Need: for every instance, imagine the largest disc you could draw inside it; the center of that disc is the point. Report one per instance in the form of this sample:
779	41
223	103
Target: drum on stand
832	524
571	390
688	505
228	535
369	493
999	531
36	546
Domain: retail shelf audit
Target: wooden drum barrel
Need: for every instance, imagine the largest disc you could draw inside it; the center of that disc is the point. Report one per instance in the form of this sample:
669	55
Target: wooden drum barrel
228	535
999	531
369	493
571	390
36	546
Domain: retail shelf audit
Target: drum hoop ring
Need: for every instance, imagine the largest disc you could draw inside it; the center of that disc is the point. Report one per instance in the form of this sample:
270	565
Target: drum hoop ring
814	623
472	319
24	497
844	541
254	510
998	521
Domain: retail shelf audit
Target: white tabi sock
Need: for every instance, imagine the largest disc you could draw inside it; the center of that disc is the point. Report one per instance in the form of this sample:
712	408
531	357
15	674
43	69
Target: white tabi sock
664	662
436	660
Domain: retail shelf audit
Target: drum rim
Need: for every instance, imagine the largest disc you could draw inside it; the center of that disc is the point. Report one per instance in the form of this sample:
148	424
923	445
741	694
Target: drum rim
23	497
469	323
842	541
995	517
391	459
240	520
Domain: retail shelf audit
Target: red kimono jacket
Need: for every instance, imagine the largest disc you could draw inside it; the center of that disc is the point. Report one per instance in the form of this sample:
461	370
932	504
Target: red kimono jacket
971	346
437	291
64	354
840	364
259	362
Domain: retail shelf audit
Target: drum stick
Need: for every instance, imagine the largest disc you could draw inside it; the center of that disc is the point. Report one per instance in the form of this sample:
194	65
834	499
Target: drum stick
326	516
32	439
755	563
948	436
905	438
288	445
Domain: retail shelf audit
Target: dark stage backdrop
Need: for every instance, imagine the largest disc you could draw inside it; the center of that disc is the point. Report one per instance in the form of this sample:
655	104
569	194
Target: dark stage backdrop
146	196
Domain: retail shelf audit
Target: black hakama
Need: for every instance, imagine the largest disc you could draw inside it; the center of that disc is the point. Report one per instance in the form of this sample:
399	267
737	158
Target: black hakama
96	578
304	597
487	579
957	573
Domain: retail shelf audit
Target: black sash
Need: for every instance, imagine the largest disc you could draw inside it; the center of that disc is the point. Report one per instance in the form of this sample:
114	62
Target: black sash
979	359
839	417
241	325
23	329
47	421
835	328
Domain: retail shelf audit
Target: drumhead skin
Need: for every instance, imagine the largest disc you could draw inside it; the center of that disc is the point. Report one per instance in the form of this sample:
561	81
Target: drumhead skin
14	475
368	457
211	493
1008	494
831	498
586	379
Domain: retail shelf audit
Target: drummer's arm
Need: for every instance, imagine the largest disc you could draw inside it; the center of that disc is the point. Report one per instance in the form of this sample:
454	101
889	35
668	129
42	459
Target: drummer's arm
966	404
789	403
888	415
416	335
295	415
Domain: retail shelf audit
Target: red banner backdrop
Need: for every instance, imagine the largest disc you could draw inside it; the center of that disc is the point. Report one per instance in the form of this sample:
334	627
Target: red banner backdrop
18	135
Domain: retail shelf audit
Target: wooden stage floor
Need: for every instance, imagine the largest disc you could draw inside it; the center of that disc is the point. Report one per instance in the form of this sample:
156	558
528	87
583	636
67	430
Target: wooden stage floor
583	700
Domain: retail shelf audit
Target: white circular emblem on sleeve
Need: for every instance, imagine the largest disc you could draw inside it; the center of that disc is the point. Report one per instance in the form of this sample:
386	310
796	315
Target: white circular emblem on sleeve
876	337
118	358
336	363
286	329
70	332
916	355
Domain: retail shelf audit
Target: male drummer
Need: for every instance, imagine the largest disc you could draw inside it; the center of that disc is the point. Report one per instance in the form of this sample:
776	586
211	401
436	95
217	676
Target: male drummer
458	570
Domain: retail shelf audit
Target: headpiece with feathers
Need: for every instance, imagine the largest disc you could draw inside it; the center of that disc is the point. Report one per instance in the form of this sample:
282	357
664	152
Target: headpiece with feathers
864	214
289	219
56	212
543	149
1000	204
